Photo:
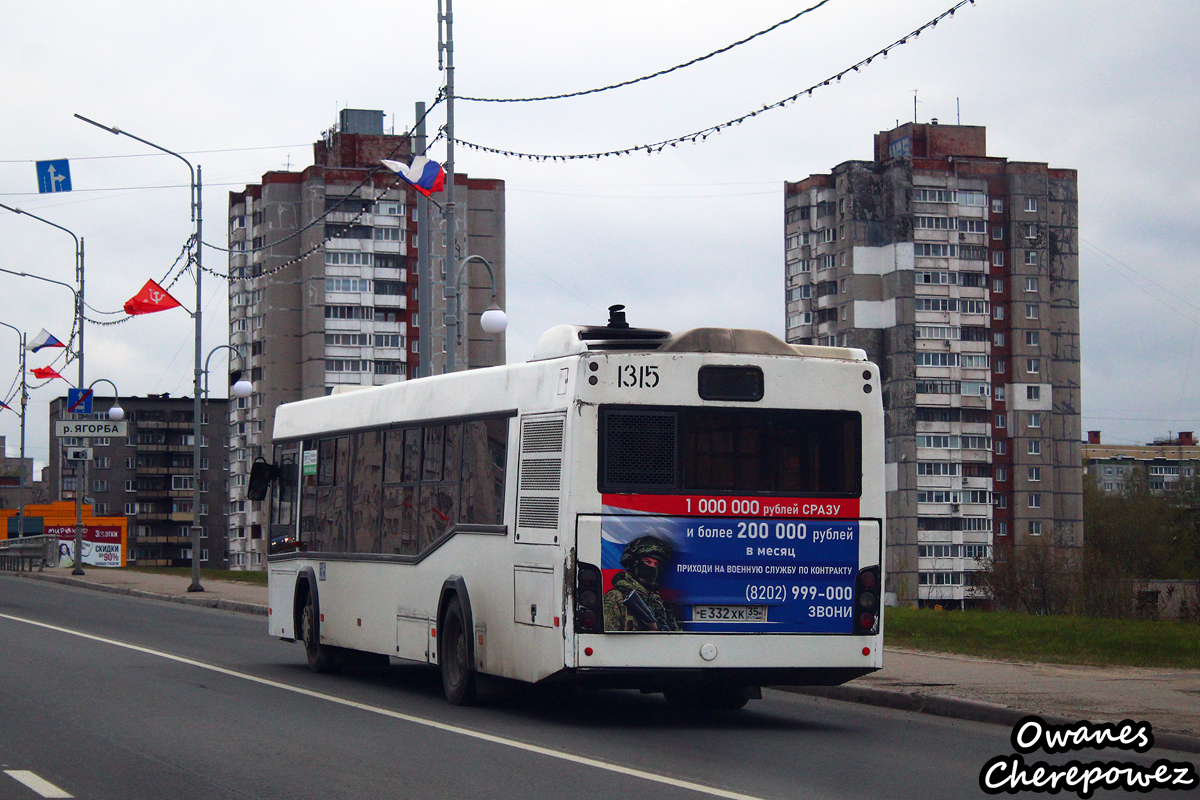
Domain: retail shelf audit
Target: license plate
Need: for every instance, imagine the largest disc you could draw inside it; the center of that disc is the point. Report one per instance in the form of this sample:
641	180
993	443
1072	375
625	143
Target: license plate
729	613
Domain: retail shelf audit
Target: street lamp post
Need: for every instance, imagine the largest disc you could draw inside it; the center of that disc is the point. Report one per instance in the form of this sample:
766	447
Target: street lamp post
197	207
81	475
115	413
239	387
78	276
24	402
493	319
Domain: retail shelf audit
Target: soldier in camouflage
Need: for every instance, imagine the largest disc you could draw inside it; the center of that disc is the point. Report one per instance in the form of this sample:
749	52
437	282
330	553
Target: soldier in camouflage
634	602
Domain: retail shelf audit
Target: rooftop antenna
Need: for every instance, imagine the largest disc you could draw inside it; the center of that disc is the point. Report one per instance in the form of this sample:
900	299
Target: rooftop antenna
958	111
914	91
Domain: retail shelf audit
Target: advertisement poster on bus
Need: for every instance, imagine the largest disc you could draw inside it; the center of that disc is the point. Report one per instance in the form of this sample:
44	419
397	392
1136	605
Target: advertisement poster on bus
726	574
103	545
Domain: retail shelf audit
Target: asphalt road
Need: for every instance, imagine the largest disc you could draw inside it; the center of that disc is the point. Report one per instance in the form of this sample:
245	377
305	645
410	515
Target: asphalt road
107	696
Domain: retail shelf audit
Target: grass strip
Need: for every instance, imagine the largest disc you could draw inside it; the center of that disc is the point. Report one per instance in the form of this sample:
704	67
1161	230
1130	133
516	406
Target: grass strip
236	576
1057	640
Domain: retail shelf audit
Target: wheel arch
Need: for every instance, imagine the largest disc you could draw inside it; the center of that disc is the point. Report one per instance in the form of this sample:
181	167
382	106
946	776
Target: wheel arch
456	585
306	586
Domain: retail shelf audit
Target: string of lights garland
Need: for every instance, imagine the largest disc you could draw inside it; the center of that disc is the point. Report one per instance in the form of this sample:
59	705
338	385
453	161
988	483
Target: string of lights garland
660	73
701	135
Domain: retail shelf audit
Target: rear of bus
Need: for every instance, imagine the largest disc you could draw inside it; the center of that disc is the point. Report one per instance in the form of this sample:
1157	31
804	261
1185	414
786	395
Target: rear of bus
729	513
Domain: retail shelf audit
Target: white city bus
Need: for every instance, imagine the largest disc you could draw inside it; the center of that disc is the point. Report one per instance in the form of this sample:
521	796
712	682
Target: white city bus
698	514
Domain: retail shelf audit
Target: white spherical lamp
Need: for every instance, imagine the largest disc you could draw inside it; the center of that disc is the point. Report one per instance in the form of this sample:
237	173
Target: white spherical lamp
242	388
493	321
116	413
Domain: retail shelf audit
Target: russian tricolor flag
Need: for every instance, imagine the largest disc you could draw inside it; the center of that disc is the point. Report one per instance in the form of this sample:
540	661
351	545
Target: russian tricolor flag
425	176
44	339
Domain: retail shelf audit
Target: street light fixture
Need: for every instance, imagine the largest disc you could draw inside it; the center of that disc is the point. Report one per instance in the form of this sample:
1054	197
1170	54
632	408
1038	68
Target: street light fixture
493	319
197	209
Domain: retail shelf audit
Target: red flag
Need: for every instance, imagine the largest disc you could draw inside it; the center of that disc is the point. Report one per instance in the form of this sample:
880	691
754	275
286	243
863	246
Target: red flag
151	298
44	373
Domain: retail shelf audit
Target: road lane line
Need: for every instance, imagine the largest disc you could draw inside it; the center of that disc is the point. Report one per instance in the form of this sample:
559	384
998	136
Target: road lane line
711	791
43	787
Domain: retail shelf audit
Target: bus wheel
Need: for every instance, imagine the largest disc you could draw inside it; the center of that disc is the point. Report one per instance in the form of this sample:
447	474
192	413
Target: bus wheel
320	657
458	674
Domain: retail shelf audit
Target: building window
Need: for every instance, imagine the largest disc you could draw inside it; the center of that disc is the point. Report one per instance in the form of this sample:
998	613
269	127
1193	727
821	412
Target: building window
1001	474
1001	365
1035	474
1035	419
1000	500
997	285
1033	392
1035	447
1031	260
1035	527
131	508
998	393
1031	204
1001	421
1031	284
102	462
99	486
997	205
1033	365
998	339
1001	447
1031	230
1032	338
997	232
131	486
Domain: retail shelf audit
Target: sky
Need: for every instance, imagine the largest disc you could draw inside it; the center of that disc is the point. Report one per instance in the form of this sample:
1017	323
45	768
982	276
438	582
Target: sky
689	237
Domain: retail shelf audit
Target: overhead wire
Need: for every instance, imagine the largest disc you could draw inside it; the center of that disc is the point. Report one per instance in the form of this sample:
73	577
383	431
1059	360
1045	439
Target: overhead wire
704	133
658	74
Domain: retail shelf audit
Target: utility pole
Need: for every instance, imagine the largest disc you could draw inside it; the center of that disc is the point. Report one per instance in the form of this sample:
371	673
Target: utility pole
453	324
424	273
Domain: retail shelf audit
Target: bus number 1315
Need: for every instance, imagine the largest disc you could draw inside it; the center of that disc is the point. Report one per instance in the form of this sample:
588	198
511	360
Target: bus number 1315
637	377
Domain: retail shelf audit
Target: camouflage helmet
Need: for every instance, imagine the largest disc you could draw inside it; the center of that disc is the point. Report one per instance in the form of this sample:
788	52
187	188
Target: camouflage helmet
644	546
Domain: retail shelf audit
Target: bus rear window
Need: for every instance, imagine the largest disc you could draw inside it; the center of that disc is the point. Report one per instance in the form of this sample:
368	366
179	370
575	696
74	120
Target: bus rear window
730	450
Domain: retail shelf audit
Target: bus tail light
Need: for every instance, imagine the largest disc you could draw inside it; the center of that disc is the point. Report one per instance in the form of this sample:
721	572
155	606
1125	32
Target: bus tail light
866	601
589	599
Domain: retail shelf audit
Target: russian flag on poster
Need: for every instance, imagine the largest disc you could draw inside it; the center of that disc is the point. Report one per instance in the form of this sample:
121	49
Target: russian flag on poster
425	176
44	339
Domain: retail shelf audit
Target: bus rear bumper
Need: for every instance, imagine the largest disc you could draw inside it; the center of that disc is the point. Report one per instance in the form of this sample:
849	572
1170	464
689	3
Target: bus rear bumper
657	680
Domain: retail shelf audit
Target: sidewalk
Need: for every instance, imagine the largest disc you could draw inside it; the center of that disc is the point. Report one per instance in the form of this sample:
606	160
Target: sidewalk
962	687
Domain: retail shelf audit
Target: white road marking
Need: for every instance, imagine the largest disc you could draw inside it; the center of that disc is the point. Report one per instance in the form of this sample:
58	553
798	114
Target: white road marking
711	791
43	787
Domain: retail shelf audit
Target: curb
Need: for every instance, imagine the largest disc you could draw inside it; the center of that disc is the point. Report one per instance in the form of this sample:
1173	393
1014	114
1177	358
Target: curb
957	708
203	602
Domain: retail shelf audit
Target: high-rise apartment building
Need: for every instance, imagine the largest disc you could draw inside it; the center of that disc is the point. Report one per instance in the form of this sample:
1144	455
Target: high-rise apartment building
148	476
958	273
323	289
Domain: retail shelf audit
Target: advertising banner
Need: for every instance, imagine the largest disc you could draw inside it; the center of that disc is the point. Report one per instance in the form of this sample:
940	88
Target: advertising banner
728	574
102	545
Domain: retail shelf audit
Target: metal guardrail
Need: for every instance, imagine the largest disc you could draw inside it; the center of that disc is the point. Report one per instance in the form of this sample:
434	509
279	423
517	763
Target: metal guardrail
23	554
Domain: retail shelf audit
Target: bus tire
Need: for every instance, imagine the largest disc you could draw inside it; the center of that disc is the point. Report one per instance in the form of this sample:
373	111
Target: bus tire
458	673
321	659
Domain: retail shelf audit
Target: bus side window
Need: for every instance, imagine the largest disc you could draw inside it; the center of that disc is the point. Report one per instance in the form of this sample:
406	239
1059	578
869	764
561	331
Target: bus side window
485	448
365	486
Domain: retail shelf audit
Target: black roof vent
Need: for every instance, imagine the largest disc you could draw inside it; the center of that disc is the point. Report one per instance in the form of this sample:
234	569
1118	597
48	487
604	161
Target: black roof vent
616	317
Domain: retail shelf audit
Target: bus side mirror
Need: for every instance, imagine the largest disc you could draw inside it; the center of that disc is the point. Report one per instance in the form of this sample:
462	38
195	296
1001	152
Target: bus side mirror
262	475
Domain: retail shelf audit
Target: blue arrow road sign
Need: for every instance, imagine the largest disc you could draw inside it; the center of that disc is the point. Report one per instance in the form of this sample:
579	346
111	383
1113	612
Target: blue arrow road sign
79	401
54	176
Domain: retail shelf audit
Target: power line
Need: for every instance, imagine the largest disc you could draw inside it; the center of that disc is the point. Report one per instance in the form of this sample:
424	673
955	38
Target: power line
660	73
159	155
701	135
